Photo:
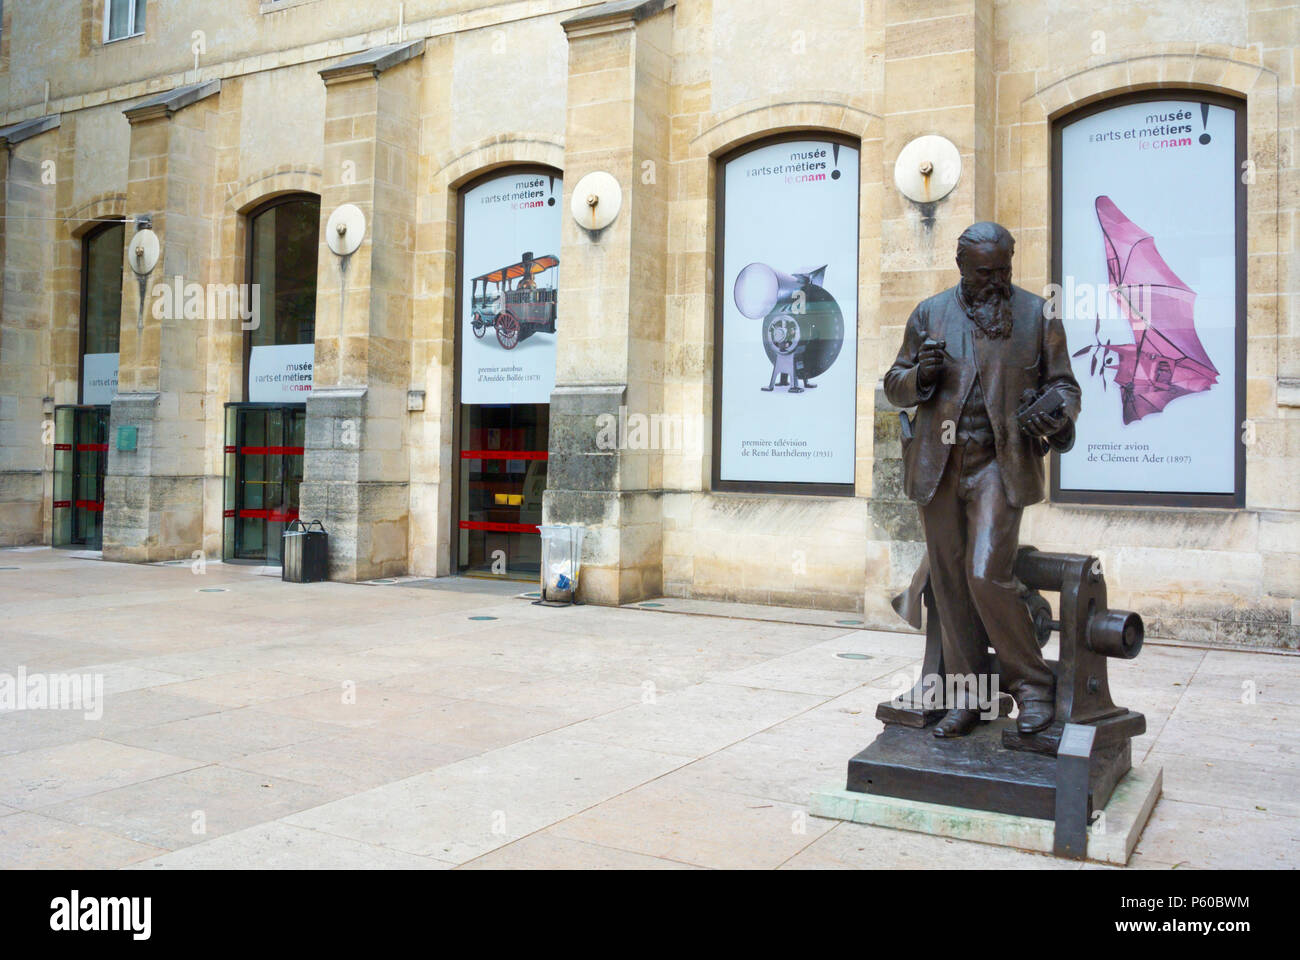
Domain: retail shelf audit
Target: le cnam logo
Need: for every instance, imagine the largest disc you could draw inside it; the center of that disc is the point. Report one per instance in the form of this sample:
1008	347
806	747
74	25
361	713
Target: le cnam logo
76	914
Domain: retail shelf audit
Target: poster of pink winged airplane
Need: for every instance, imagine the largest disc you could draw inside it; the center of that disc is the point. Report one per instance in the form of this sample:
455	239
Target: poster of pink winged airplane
1166	359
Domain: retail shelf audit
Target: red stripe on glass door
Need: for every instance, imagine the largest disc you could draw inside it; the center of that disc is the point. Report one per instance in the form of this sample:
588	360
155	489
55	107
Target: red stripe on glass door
504	455
275	516
499	527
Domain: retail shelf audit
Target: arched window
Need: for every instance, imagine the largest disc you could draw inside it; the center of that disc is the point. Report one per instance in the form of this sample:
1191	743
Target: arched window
265	434
508	265
101	311
81	429
1149	267
282	247
785	328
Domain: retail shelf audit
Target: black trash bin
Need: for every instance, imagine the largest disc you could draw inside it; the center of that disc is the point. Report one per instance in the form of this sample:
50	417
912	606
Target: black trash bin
306	553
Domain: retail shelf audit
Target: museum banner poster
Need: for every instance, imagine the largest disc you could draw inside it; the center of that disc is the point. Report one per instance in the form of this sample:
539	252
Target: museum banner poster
788	301
98	378
1148	291
283	373
509	275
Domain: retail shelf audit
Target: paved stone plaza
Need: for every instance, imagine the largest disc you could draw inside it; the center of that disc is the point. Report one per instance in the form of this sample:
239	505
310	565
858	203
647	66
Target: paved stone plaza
252	723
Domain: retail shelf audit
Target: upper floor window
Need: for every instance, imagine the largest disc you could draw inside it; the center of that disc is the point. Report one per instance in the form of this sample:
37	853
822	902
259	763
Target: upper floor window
122	19
283	243
101	310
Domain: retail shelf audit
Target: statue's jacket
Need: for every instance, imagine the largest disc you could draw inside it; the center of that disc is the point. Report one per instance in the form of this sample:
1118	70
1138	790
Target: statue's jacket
1034	357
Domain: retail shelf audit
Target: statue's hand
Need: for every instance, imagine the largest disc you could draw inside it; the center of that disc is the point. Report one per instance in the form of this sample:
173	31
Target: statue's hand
929	363
1047	424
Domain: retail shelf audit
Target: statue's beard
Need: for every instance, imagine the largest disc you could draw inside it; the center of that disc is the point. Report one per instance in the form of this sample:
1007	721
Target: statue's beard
989	309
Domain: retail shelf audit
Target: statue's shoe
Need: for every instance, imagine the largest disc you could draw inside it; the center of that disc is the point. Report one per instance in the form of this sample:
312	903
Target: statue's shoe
956	723
1035	716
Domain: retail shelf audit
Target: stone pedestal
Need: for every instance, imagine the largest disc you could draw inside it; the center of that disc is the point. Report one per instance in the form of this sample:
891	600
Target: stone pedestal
1112	836
152	514
975	771
365	517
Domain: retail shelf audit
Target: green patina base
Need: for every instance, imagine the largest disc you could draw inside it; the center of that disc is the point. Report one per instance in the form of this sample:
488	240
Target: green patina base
1111	840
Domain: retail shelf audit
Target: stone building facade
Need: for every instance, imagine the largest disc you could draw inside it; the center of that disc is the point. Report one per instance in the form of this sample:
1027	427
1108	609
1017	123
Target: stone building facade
193	124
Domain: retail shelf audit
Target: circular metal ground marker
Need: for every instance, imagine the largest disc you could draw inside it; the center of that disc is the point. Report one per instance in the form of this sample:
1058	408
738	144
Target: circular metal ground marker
482	618
10	568
849	623
212	590
854	656
383	581
651	604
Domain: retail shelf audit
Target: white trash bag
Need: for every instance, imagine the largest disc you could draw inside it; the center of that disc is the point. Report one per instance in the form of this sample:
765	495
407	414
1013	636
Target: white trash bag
561	560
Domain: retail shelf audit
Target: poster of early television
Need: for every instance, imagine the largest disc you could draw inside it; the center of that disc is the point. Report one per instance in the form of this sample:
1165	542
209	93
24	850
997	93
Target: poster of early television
789	296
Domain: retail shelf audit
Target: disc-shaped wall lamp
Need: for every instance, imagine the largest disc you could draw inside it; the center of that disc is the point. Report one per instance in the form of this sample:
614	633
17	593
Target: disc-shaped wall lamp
142	251
596	200
345	229
927	169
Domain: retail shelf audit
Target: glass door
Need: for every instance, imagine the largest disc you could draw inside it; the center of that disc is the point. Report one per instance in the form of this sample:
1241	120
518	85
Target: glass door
80	462
263	476
502	476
